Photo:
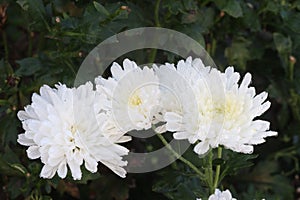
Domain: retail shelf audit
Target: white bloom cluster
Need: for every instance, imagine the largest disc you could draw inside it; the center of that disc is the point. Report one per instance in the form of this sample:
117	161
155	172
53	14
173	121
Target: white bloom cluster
218	195
67	127
216	110
132	95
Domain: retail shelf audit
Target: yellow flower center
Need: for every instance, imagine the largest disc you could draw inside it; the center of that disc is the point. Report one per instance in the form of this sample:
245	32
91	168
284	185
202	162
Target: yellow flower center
229	110
135	100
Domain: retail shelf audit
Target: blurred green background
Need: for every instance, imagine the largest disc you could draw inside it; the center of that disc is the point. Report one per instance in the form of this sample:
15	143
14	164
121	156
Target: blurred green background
45	41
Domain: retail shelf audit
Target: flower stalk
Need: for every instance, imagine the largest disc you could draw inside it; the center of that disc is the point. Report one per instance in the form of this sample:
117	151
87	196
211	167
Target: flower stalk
218	168
210	171
185	161
157	24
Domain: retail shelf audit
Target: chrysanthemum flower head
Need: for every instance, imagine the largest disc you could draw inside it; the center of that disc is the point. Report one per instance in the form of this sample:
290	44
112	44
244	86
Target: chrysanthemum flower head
220	195
177	86
64	127
225	112
133	95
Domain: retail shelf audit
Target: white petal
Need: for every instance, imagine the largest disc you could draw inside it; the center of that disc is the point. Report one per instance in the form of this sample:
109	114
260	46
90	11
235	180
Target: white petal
48	171
129	65
115	168
173	121
260	98
62	170
226	194
263	108
56	151
229	71
181	135
256	141
161	129
116	71
55	160
270	133
75	169
33	152
29	134
246	81
123	139
90	164
23	140
77	156
201	148
22	115
246	149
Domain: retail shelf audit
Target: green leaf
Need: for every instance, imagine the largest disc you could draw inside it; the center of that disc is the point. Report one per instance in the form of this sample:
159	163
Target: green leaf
11	169
88	176
23	3
38	6
234	162
28	66
179	184
48	187
238	53
19	167
189	4
100	8
297	4
10	156
284	47
193	31
9	124
14	187
265	176
174	7
110	187
231	7
282	44
251	18
272	6
292	21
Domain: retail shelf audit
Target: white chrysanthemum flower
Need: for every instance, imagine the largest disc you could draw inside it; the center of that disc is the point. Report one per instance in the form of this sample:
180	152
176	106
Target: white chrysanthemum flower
133	95
178	96
216	110
66	127
218	195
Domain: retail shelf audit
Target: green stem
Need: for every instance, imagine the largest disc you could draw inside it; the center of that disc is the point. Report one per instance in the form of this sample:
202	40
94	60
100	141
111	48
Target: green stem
68	63
156	13
185	161
210	172
291	71
218	169
213	47
3	102
152	55
157	24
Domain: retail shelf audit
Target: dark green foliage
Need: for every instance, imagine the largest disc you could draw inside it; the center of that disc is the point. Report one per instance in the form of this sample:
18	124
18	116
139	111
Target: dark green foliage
45	41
